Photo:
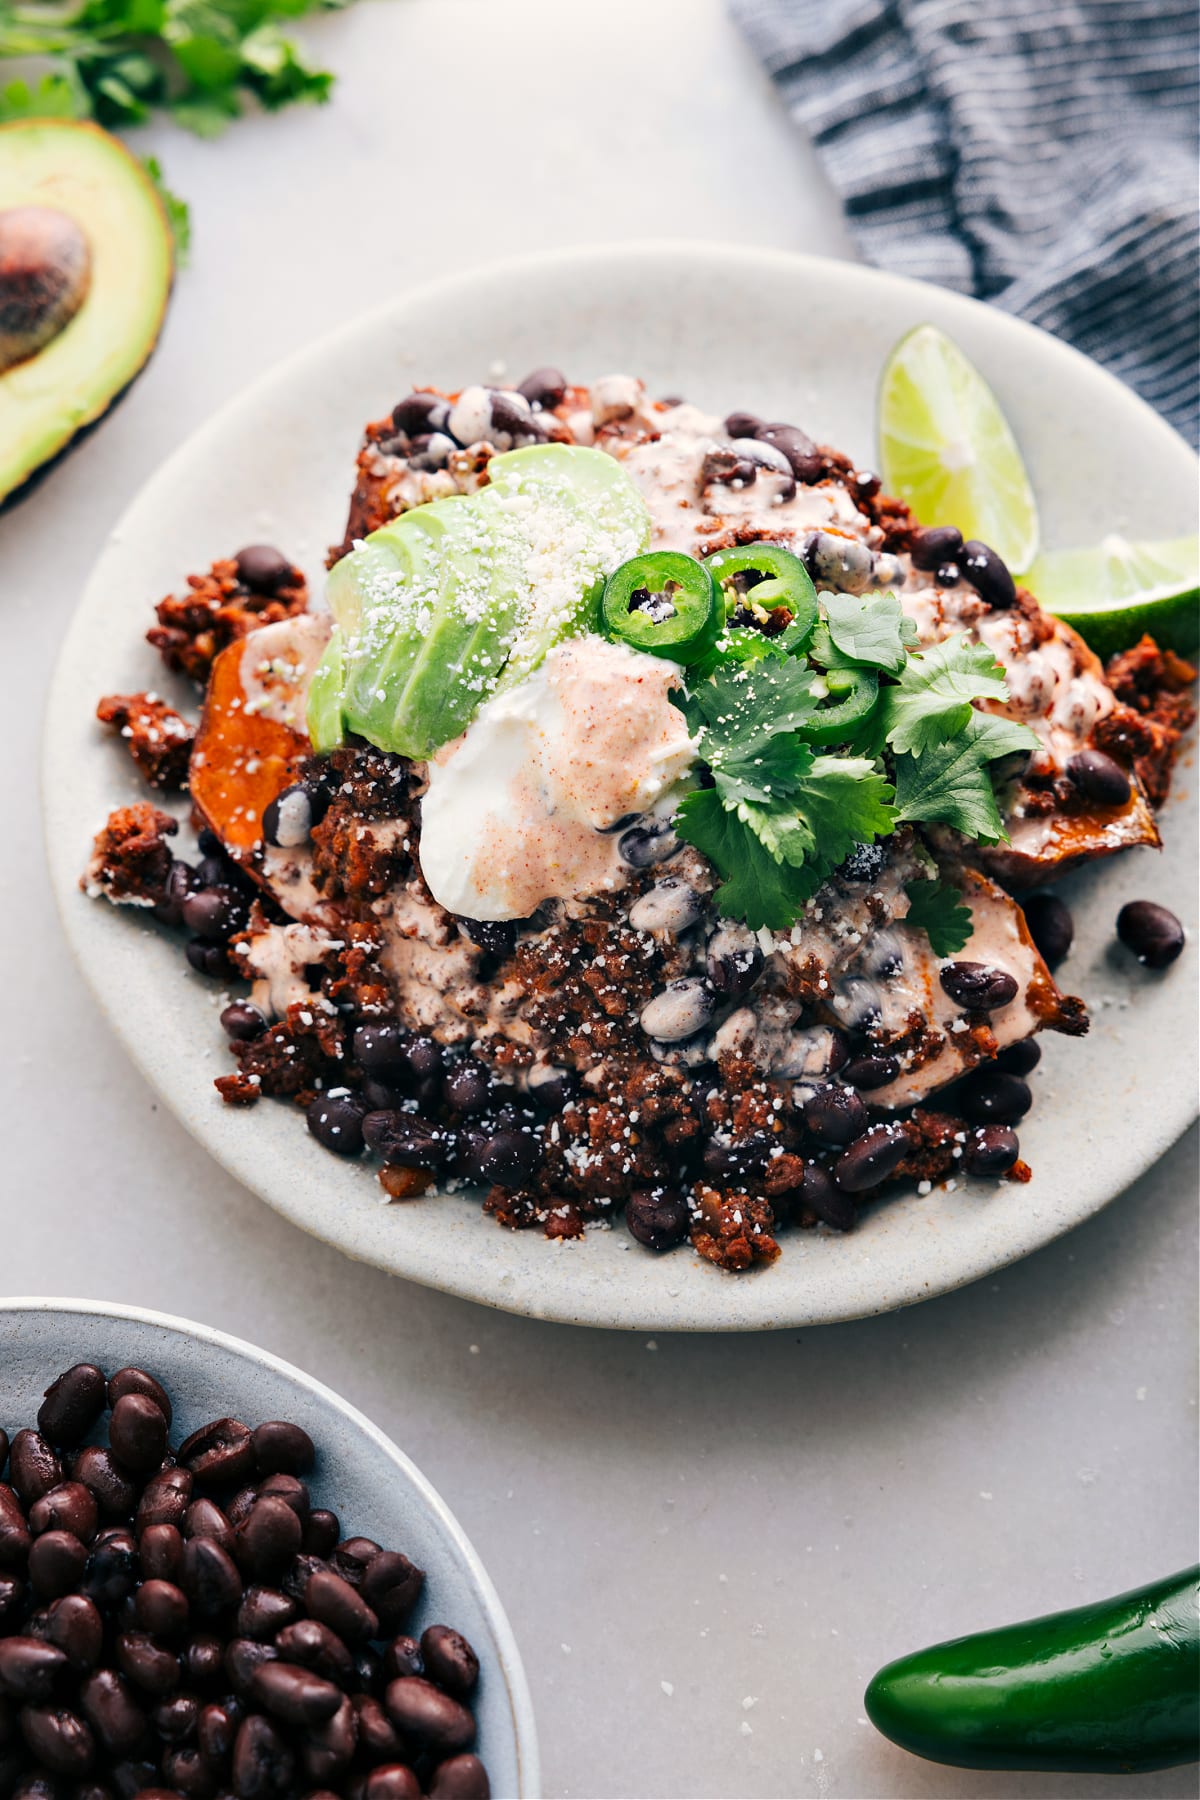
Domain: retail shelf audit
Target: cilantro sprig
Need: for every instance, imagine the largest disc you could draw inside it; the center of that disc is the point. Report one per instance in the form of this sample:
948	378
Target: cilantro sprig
780	814
121	61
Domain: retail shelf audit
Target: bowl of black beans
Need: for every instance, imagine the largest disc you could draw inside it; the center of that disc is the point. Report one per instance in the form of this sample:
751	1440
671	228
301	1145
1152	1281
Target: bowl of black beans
220	1581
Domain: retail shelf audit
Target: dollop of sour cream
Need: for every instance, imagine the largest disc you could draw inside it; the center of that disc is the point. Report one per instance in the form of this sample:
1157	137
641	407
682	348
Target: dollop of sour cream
519	809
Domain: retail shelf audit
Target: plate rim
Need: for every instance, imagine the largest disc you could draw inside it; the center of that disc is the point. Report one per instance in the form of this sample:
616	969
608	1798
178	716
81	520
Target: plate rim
512	1668
556	1302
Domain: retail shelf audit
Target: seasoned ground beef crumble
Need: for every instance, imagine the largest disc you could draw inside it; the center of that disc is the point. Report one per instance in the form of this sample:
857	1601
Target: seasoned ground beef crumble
718	1143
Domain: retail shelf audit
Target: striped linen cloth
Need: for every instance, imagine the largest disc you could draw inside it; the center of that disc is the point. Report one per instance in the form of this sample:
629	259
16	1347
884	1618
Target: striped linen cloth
1037	153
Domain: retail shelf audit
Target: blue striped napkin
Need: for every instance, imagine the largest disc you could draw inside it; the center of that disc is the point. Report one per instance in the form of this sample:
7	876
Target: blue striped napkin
1037	153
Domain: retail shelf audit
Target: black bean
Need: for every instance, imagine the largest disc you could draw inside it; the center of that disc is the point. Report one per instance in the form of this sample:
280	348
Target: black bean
288	819
498	937
1050	926
820	1194
209	1576
987	573
870	1159
73	1403
112	1568
207	959
683	1008
990	1150
403	1657
263	1612
1099	778
114	1491
1021	1057
513	419
727	1159
282	1486
243	1657
1154	934
469	1087
213	913
161	1608
657	1217
263	568
132	1380
804	459
15	1535
263	1766
336	1121
734	962
12	1600
59	1739
315	1646
216	1729
175	1719
864	863
743	425
391	1586
204	1518
281	1448
134	1781
392	1781
33	1467
57	1561
241	1022
430	1718
460	1778
870	1071
68	1507
508	1157
416	411
993	1096
165	1499
297	1575
138	1433
978	987
204	1660
30	1669
75	1627
551	1088
544	388
643	845
294	1694
333	1602
450	1660
321	1531
268	1538
147	1665
834	1115
940	544
406	1139
220	1452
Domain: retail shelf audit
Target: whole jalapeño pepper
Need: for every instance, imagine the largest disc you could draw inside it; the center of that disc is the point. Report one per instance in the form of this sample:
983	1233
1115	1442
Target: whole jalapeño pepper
1111	1688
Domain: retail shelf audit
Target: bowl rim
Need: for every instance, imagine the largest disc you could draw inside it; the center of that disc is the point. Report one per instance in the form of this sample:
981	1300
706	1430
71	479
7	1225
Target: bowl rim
511	1666
552	1302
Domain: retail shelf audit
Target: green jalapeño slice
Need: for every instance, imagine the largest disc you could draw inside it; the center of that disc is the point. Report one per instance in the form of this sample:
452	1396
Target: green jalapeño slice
664	603
756	580
852	694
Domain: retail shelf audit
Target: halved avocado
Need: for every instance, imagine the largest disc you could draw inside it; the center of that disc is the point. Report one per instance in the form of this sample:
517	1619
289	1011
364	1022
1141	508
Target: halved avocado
86	264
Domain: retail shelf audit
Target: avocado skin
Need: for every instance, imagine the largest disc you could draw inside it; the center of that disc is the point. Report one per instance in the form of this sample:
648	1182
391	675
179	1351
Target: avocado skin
1109	1688
57	417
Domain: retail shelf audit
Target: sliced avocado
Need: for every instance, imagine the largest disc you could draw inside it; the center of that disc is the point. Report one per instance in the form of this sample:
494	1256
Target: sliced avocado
86	263
462	595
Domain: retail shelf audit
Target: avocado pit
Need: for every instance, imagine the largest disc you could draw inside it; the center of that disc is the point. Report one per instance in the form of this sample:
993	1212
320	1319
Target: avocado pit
45	273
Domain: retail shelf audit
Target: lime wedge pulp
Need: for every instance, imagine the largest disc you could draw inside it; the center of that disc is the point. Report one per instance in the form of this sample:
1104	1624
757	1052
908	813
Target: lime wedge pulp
1114	593
947	449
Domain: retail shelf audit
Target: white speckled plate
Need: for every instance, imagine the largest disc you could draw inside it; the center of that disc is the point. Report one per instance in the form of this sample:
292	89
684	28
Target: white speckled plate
790	336
372	1486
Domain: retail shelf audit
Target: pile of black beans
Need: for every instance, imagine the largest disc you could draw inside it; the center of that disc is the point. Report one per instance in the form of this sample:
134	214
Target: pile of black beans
211	900
184	1622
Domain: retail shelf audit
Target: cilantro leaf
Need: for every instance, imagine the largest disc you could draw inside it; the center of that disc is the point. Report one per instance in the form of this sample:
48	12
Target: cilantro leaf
178	216
867	628
952	783
740	708
765	777
844	801
58	95
754	886
931	701
938	912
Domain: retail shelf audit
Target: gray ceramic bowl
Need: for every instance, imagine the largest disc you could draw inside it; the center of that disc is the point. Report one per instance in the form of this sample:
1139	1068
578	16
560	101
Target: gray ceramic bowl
375	1489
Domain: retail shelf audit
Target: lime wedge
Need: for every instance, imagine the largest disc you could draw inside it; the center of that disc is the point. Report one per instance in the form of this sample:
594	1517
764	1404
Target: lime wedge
946	447
1114	593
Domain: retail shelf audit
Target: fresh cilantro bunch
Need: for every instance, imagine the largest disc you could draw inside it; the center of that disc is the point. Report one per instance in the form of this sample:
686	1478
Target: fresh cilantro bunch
782	813
121	61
